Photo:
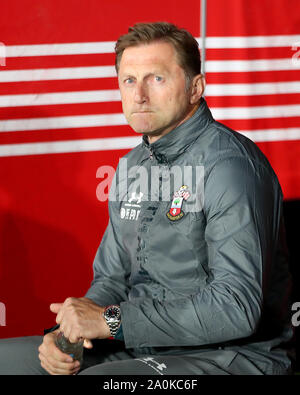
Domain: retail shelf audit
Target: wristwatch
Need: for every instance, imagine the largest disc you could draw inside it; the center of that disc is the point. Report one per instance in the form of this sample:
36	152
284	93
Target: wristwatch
112	316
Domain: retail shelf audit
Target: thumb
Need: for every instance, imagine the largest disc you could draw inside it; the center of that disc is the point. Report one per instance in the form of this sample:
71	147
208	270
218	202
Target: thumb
55	307
87	344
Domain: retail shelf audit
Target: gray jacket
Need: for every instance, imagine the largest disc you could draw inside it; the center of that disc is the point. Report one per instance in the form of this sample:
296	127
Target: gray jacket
209	275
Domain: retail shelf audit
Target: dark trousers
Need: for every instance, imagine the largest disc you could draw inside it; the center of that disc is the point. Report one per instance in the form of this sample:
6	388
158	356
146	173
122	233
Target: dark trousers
19	356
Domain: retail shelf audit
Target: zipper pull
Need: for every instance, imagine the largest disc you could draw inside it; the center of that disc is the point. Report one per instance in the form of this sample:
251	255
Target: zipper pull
151	153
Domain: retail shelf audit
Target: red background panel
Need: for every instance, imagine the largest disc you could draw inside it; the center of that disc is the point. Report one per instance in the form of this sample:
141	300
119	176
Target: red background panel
51	222
255	17
55	21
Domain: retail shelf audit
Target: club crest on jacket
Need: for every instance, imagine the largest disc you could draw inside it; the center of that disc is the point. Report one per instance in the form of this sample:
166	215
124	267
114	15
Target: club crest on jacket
175	213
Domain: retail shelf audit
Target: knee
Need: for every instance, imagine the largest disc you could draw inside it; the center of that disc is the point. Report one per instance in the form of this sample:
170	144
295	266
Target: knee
112	368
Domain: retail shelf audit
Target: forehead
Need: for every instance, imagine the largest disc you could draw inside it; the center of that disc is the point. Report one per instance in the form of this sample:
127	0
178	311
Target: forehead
159	54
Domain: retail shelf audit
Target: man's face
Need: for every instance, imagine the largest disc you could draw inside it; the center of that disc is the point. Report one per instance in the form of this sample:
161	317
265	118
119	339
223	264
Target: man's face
153	88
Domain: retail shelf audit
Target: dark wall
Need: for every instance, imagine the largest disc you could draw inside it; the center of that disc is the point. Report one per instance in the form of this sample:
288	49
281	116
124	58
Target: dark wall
291	210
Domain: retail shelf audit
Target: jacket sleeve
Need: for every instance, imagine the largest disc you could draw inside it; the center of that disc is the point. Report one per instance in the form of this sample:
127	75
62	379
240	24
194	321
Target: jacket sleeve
242	210
110	267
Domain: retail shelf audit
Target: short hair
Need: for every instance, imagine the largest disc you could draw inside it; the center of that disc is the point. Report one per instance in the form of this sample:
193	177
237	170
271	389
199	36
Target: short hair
185	45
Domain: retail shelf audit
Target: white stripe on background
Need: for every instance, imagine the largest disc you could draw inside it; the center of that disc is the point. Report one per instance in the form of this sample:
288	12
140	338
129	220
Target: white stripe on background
98	96
212	66
60	49
88	145
59	147
253	41
108	46
80	121
63	73
40	99
272	134
221	113
264	88
226	66
76	121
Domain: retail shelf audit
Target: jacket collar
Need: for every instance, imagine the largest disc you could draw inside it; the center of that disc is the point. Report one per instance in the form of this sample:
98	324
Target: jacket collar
170	146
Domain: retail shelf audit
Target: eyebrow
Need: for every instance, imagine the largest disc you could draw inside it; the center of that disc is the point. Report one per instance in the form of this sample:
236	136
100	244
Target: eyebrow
128	75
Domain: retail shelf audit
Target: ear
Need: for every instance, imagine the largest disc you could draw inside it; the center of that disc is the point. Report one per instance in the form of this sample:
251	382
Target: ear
197	88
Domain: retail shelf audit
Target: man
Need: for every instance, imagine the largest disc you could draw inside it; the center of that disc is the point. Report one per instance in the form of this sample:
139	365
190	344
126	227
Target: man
199	280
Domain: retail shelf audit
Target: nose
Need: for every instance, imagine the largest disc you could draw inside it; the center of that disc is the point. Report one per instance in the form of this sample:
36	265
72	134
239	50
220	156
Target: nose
140	93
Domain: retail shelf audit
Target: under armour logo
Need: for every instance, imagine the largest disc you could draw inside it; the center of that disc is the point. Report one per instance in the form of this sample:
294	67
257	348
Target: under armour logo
159	366
135	197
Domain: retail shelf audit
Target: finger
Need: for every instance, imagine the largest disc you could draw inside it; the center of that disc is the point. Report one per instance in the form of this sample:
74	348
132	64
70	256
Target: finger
55	307
55	366
58	370
75	336
60	314
65	329
56	358
49	348
60	356
63	367
70	332
87	344
45	366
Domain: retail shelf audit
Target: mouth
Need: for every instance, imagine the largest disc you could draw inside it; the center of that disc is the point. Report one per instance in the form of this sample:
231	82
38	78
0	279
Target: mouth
141	112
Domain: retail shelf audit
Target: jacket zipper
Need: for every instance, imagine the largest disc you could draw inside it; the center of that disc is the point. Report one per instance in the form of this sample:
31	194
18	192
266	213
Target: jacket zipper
151	153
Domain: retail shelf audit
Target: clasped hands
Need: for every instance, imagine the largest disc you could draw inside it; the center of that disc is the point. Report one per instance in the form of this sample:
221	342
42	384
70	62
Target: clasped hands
79	318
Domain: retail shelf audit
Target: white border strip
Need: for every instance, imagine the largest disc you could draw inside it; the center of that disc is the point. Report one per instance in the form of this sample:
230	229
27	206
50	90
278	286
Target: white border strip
108	46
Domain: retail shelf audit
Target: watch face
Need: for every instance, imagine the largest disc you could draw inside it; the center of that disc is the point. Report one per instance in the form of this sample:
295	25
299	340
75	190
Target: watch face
112	312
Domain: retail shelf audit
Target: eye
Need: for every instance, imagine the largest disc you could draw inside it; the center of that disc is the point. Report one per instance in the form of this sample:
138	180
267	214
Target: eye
128	80
158	78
